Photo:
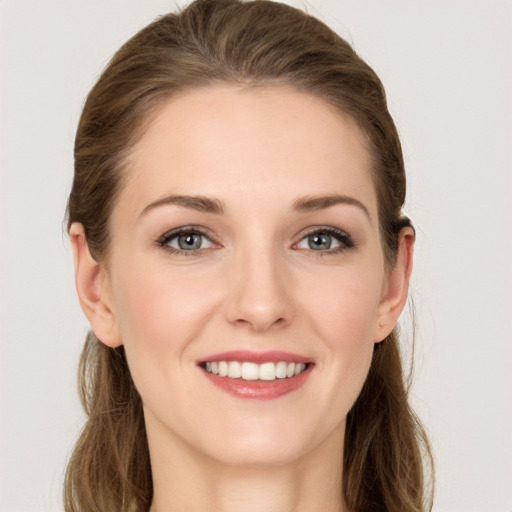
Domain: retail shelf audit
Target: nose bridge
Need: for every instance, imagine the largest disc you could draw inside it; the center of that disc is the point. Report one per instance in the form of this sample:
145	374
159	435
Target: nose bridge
259	294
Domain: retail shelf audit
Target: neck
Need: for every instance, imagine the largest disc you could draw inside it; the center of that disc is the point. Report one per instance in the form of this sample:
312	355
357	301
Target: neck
186	480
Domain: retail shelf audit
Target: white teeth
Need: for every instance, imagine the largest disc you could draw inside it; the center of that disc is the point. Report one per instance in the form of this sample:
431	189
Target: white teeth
299	367
234	370
281	369
250	371
254	371
223	368
267	371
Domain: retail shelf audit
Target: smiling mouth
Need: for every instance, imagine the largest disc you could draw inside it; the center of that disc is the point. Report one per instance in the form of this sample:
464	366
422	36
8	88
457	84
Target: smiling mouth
250	371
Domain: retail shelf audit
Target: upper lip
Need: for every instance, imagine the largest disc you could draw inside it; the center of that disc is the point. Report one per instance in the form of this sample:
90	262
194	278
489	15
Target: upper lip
271	356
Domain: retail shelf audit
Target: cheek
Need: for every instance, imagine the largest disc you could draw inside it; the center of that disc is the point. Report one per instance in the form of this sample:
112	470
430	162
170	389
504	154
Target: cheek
343	318
159	312
346	309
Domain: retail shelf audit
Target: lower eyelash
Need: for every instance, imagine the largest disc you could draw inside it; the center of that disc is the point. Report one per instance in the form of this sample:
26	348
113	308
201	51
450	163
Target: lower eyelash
173	250
167	237
346	241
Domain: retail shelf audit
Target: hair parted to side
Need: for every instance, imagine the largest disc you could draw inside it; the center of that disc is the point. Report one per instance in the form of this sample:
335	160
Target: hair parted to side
253	43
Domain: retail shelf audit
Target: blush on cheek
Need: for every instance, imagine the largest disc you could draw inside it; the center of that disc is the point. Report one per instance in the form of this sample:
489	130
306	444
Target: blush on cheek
164	311
349	320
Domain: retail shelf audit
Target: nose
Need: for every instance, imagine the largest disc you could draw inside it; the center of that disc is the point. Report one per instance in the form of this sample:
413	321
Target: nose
261	294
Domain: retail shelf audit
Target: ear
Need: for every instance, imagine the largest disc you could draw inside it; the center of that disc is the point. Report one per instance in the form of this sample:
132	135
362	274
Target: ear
94	290
396	286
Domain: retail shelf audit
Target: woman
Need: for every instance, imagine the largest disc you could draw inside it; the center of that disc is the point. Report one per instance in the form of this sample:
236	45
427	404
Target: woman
242	257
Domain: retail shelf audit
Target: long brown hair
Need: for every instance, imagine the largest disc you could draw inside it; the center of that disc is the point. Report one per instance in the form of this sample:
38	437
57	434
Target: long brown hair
253	42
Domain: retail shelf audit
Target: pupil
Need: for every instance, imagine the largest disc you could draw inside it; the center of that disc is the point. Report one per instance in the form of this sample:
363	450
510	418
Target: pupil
320	241
189	241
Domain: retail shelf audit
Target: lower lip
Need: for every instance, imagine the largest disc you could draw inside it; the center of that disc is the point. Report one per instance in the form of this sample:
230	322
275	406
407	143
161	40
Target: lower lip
259	389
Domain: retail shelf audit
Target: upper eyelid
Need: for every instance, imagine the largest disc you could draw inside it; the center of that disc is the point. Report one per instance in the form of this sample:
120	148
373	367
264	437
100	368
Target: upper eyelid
175	232
172	233
164	241
319	228
345	239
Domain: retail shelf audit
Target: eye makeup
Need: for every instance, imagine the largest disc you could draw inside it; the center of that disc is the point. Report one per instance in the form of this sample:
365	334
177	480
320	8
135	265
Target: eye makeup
193	240
325	240
186	241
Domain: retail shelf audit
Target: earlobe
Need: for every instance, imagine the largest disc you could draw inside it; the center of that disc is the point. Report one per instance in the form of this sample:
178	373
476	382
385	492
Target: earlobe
397	286
93	288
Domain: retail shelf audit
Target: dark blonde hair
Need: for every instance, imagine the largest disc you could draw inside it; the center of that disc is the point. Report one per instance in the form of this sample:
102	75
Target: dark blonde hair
253	43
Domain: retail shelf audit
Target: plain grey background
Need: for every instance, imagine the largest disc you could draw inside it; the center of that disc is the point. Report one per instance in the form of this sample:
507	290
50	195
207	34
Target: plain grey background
446	65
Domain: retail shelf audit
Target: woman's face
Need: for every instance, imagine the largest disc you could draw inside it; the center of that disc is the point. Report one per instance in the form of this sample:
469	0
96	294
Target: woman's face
247	233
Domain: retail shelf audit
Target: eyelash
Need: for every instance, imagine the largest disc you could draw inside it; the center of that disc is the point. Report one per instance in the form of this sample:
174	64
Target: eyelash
344	239
166	238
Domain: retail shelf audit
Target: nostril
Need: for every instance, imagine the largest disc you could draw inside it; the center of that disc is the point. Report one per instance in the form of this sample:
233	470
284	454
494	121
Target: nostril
261	323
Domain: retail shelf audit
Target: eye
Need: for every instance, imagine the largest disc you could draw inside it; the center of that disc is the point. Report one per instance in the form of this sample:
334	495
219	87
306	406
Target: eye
319	241
185	240
326	240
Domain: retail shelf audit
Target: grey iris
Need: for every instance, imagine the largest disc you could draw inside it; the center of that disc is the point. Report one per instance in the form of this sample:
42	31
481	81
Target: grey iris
319	241
189	241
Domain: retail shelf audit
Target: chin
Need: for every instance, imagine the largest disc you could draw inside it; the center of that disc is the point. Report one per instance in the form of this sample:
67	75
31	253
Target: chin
256	454
265	444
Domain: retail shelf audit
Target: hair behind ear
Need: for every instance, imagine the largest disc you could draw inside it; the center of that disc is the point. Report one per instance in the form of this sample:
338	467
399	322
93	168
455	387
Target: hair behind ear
382	426
111	453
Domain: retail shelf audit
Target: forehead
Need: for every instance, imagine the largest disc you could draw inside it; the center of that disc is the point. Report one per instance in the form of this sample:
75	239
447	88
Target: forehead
251	142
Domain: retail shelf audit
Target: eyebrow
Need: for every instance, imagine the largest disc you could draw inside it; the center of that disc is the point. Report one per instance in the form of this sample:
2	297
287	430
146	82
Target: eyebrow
198	203
212	205
314	203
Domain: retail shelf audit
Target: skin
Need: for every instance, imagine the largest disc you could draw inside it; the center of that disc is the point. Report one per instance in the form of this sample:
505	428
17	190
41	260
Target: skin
255	285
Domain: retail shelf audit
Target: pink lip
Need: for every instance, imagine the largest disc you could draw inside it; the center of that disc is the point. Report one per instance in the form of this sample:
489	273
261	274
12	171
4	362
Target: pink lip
271	356
258	389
